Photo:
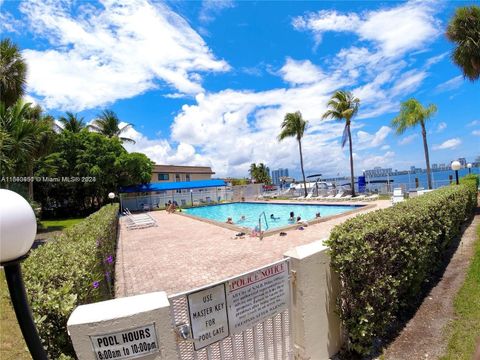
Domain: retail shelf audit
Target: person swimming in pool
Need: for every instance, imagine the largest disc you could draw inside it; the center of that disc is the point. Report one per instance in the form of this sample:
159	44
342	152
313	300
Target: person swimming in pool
292	217
274	218
229	220
242	219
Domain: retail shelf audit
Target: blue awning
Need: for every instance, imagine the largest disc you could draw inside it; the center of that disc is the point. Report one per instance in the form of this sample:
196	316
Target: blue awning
178	185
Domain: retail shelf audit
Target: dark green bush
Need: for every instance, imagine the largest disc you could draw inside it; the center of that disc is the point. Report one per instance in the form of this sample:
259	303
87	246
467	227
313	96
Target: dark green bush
76	268
384	257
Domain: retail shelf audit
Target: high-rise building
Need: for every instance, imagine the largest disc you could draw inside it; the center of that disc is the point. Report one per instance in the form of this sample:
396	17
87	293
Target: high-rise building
277	174
434	166
462	162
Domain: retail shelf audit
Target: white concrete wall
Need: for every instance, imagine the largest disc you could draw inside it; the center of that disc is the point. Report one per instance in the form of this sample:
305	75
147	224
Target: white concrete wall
317	333
121	314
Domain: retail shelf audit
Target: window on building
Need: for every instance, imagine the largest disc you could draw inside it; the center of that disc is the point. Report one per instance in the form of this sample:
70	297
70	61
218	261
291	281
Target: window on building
177	177
187	177
163	177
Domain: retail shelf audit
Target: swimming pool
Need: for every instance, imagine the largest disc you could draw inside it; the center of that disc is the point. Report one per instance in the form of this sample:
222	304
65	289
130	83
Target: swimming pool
252	212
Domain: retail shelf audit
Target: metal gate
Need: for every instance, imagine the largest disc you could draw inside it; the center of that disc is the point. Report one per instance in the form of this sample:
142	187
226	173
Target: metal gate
270	338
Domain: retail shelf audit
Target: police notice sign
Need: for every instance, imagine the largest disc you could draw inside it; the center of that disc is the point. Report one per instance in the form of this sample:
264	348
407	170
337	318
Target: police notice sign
208	316
126	344
256	296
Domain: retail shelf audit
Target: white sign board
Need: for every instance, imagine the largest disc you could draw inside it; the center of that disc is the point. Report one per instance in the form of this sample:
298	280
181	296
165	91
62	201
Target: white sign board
126	344
208	316
257	296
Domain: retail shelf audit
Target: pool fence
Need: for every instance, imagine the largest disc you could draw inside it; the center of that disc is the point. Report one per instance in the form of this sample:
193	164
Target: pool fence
283	310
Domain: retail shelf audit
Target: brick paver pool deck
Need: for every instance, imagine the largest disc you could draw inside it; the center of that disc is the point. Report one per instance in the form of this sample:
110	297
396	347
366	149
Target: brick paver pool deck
182	253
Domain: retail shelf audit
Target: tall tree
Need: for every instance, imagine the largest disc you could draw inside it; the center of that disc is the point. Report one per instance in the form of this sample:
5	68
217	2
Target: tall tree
13	73
412	114
293	125
108	124
72	122
260	173
344	106
27	137
464	30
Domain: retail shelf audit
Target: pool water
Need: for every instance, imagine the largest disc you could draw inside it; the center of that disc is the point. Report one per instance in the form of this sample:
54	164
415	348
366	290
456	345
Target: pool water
252	212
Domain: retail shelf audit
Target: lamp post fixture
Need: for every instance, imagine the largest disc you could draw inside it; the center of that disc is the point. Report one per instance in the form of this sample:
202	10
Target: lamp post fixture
18	228
455	167
191	196
111	196
469	166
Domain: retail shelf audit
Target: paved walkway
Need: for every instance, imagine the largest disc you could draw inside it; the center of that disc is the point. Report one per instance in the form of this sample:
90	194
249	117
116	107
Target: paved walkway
184	253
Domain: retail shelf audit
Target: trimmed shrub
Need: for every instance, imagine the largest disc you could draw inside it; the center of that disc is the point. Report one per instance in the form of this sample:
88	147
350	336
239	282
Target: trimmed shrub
75	268
385	257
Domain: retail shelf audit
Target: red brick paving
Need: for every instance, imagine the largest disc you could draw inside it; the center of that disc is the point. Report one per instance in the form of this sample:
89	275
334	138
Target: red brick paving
184	253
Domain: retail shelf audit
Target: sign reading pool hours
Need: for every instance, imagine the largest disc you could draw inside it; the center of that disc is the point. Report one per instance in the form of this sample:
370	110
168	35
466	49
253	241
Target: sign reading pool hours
257	296
126	344
208	316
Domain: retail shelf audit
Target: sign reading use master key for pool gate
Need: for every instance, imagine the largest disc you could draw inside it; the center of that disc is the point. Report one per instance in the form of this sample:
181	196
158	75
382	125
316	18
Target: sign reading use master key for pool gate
208	316
127	344
238	304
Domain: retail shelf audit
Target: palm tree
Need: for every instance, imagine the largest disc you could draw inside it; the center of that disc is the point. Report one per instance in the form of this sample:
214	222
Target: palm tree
71	122
108	124
464	31
13	73
25	139
344	106
253	171
293	125
412	113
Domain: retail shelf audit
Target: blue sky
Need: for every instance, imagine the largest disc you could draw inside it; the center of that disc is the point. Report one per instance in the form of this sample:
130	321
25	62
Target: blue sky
209	82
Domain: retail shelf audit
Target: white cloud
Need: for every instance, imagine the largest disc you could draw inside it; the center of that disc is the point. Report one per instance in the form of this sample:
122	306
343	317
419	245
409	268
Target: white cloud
473	123
441	126
366	140
300	72
436	59
407	139
385	147
160	150
394	30
448	144
452	84
476	132
212	8
120	51
8	23
370	161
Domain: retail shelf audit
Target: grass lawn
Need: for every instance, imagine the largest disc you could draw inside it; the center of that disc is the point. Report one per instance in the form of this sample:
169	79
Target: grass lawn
12	345
464	332
59	225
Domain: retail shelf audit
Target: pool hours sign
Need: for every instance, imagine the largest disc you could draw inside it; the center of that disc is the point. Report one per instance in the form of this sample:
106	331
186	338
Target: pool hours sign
126	344
208	316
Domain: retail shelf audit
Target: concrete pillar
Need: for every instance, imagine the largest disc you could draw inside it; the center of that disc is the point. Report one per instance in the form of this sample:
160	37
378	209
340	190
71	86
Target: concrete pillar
124	323
317	333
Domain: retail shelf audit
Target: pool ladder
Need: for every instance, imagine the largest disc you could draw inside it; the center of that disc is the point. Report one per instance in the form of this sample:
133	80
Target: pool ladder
260	223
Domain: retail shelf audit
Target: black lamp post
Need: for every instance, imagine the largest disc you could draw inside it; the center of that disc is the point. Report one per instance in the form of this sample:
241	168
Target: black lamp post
455	167
469	166
18	228
191	196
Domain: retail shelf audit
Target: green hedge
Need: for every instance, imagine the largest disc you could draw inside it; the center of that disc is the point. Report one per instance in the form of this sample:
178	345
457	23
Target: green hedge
384	257
74	269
